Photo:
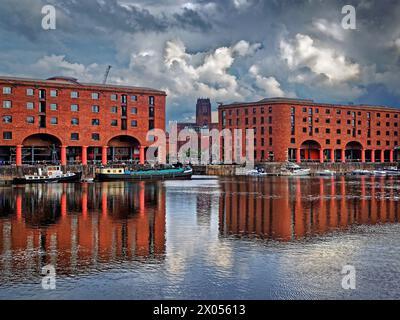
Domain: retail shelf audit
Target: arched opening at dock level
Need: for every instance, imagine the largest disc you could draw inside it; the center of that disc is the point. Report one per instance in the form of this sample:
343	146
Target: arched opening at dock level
41	148
123	148
310	151
354	152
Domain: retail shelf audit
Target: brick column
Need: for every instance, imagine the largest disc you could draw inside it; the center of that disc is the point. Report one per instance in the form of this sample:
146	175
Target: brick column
18	157
84	155
382	156
373	156
63	155
343	155
321	155
104	155
333	155
363	156
298	155
391	156
142	155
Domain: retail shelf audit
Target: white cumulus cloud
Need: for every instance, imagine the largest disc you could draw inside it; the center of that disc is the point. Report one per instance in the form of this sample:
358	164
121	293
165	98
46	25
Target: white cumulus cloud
303	52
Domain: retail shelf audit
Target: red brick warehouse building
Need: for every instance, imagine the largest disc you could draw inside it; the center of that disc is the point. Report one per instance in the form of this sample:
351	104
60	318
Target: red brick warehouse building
306	131
64	120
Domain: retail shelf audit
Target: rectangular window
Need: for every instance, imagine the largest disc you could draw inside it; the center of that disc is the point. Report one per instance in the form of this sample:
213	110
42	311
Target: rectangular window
30	120
124	125
114	109
338	142
75	121
96	136
95	109
7	104
75	136
7	90
151	100
95	122
42	121
133	98
30	92
151	124
53	107
133	110
74	94
328	141
7	135
7	119
53	120
95	96
114	123
74	108
42	94
133	123
114	97
124	99
53	93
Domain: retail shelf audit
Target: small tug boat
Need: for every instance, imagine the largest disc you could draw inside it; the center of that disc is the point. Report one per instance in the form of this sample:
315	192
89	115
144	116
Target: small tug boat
50	174
115	174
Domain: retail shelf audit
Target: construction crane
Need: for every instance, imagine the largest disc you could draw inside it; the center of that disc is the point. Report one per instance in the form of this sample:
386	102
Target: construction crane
106	74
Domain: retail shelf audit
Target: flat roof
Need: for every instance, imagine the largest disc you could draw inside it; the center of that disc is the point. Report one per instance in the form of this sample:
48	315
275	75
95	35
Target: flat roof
304	102
61	81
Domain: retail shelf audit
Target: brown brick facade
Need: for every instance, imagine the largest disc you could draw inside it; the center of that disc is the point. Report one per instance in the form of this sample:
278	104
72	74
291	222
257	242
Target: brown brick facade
302	130
103	121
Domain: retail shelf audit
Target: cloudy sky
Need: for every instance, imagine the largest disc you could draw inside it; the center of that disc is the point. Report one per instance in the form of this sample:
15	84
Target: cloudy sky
227	50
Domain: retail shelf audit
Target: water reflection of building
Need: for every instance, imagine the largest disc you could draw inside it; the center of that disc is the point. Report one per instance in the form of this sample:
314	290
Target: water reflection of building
287	209
78	226
203	208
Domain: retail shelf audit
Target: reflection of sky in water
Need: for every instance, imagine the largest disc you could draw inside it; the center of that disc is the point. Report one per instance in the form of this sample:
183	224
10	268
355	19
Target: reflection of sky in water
224	239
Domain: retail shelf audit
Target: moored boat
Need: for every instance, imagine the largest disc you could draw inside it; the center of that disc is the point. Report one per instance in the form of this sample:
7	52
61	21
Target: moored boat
257	173
392	171
115	174
380	173
292	169
51	174
325	173
360	172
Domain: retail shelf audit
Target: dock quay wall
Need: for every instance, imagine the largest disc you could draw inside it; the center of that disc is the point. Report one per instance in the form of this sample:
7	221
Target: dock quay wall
8	173
274	168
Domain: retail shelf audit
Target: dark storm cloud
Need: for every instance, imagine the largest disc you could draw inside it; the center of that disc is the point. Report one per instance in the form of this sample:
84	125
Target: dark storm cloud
113	31
191	19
